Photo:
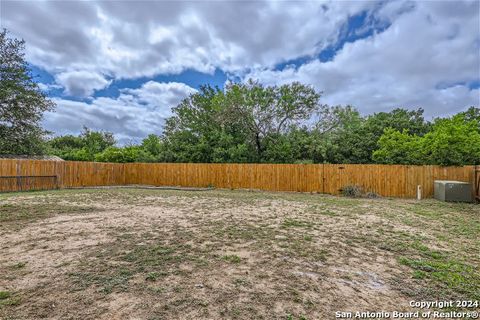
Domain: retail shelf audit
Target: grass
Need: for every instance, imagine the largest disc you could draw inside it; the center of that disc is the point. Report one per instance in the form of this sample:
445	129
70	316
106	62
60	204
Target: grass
230	254
8	299
452	271
151	261
29	212
4	295
232	258
445	274
294	223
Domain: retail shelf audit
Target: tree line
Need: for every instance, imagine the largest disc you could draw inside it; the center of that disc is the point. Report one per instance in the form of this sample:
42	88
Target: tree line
242	123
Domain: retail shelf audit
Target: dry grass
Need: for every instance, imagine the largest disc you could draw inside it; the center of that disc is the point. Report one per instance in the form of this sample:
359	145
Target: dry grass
150	254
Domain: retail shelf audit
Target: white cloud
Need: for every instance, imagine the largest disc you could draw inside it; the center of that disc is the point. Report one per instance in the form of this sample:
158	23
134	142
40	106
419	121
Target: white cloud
128	39
426	49
425	58
48	86
160	96
134	114
81	83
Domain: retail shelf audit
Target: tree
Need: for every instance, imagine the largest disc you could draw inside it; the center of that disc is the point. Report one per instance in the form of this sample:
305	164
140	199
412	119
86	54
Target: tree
338	135
398	148
67	147
472	114
268	112
123	155
398	119
238	124
22	103
152	144
452	141
83	147
347	137
199	131
96	141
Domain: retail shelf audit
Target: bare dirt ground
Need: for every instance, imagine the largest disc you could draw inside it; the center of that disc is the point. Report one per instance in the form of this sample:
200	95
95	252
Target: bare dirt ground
156	254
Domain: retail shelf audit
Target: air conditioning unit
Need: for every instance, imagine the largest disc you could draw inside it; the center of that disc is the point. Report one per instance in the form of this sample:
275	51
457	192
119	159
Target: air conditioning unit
453	191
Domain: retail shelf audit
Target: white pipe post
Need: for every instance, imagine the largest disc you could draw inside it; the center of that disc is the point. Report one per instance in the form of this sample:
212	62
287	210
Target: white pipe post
419	192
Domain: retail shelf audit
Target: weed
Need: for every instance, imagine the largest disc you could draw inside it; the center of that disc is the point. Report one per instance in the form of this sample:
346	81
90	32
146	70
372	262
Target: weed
156	289
288	223
19	265
233	258
4	295
307	238
152	276
419	274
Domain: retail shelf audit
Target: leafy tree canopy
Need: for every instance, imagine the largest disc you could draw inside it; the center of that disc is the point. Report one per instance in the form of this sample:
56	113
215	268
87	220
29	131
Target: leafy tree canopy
83	147
237	124
451	141
22	103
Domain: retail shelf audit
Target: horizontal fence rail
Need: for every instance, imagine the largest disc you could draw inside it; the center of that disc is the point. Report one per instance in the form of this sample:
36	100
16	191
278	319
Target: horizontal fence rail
386	180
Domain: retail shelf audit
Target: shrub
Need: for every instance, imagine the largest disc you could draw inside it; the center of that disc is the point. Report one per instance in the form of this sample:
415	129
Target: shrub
352	191
372	195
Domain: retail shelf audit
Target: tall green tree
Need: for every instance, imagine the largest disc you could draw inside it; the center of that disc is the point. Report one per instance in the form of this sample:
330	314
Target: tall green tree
152	144
266	113
452	141
200	130
397	147
22	103
237	124
348	137
472	114
339	136
96	141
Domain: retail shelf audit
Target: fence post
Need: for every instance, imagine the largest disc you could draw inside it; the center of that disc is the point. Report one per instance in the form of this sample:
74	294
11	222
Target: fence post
17	169
323	178
476	182
59	172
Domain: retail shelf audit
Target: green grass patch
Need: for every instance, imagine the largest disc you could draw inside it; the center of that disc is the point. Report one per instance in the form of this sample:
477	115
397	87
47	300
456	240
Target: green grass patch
126	260
4	295
307	238
105	281
10	212
152	276
457	276
232	258
8	299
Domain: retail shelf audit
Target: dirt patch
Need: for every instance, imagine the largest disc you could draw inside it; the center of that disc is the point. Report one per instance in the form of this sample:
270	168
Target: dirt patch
155	254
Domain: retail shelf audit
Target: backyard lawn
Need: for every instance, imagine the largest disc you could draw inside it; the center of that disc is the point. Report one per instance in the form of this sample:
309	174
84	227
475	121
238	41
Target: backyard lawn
158	254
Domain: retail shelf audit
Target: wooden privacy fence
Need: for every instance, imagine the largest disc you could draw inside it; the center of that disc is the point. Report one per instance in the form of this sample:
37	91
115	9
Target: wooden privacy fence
386	180
20	175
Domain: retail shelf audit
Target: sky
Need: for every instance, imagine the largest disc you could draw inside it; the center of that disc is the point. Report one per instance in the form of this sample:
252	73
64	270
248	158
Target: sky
122	65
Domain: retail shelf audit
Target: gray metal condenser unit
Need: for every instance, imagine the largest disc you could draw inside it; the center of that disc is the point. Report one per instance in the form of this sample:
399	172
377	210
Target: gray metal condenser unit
453	191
